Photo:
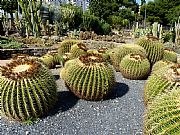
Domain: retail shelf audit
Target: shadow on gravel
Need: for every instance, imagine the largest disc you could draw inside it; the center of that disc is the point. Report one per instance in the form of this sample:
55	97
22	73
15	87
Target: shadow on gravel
119	90
66	100
56	77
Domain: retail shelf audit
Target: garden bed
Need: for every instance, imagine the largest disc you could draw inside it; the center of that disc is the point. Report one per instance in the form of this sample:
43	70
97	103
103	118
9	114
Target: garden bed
121	114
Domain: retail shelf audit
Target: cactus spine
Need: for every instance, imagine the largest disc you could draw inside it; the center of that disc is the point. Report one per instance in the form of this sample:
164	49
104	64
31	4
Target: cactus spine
163	115
134	66
170	55
89	77
158	82
154	48
28	89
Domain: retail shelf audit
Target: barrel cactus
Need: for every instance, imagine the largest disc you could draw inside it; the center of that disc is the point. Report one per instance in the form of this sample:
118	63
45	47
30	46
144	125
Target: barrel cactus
154	49
89	77
90	51
163	115
66	45
118	53
134	66
48	60
28	89
78	50
160	64
170	55
158	82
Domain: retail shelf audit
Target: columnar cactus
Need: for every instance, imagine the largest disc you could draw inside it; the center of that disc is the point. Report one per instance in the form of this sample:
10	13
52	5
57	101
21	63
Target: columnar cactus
65	46
78	50
163	115
117	54
89	77
28	89
159	82
134	66
170	55
153	47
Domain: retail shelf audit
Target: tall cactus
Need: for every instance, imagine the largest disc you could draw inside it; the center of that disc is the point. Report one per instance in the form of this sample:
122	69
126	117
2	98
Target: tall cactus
30	12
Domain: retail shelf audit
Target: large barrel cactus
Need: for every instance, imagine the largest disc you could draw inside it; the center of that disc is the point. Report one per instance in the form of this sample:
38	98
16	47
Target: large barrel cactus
134	66
154	49
170	55
66	45
158	82
78	50
89	77
163	115
28	89
118	53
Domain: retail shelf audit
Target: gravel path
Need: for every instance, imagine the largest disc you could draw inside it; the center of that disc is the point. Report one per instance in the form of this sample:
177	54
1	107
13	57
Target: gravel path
119	115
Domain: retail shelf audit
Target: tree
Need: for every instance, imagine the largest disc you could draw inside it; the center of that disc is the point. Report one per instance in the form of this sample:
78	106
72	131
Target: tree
9	6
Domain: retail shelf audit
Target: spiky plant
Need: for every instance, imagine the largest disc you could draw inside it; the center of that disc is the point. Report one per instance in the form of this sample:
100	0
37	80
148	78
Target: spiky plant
163	115
48	60
89	77
78	50
57	59
66	45
28	89
153	47
160	64
170	55
117	54
158	82
134	66
104	52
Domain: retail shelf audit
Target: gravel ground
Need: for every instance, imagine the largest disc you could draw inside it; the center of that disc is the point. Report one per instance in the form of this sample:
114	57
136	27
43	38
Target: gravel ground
119	115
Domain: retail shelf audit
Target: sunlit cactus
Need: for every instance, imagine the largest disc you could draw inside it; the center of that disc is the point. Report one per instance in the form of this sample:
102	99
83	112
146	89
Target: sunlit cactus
159	82
89	77
162	116
28	89
134	66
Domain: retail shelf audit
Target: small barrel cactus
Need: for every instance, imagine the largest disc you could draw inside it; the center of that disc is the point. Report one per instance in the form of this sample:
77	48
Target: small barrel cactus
104	52
117	54
163	115
154	49
78	50
168	77
48	60
90	51
170	55
57	59
134	66
89	77
66	45
28	89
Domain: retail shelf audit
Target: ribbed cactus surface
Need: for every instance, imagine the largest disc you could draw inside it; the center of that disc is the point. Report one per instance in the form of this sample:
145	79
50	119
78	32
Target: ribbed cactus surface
66	45
78	50
158	82
163	115
134	66
48	60
154	49
28	89
89	77
170	55
118	53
